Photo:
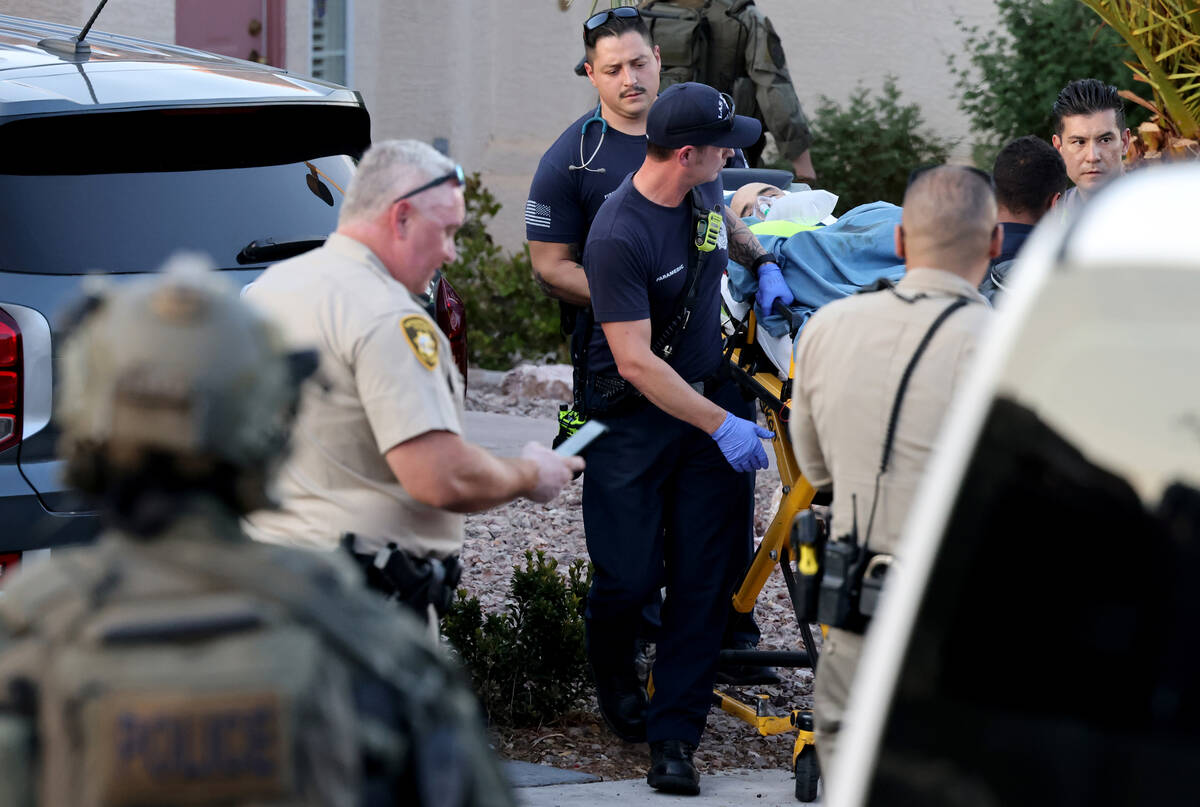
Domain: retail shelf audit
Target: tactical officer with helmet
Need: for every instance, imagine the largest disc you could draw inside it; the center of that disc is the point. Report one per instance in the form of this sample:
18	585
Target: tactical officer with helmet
380	464
176	661
731	45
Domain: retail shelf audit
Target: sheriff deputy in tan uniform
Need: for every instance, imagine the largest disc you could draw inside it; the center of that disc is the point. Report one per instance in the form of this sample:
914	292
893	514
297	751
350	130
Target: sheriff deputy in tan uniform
379	461
850	359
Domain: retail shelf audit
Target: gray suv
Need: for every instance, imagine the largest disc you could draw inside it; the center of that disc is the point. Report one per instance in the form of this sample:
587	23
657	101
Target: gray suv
112	160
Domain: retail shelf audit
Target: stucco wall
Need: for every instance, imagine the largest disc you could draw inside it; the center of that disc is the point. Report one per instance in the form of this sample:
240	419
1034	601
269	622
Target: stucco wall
148	19
495	79
831	47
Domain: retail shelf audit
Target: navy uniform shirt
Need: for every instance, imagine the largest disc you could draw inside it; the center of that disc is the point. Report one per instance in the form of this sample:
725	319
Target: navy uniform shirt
562	202
636	262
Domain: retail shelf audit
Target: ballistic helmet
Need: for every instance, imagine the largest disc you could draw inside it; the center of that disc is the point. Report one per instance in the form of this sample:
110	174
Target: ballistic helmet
174	381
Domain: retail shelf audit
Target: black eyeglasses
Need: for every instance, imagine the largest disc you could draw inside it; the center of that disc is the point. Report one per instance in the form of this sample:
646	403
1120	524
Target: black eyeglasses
456	176
721	124
596	20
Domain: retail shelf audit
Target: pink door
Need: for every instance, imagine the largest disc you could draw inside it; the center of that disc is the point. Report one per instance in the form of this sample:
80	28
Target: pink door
244	29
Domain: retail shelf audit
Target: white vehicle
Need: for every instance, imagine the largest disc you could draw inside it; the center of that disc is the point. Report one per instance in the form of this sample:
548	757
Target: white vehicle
1037	643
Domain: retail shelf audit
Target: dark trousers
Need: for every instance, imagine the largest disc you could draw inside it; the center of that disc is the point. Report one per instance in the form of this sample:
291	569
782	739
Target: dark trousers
742	630
660	502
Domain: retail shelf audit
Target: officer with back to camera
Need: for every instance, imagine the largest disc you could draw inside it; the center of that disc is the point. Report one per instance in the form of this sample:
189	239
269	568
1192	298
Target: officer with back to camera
176	661
380	464
875	373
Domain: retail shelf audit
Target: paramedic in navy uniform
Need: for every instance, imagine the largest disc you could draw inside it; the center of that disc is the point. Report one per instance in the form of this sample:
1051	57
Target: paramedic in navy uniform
665	488
583	166
588	160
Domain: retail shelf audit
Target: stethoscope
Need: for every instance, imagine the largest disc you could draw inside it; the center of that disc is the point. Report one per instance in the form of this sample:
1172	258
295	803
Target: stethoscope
583	164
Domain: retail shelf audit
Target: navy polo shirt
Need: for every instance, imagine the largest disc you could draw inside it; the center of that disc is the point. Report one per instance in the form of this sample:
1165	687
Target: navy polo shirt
562	202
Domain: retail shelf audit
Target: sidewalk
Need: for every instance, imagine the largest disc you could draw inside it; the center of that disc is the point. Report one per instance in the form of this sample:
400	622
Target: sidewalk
761	788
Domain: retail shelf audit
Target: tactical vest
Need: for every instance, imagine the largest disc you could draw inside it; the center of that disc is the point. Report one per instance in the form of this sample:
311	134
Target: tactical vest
704	41
198	673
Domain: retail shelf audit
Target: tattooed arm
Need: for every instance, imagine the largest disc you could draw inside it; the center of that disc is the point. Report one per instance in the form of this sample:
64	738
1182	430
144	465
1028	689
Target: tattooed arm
743	244
557	270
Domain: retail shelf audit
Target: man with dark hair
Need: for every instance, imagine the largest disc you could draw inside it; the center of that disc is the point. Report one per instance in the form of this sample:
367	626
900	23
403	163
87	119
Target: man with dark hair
1090	134
665	495
857	360
589	160
1030	178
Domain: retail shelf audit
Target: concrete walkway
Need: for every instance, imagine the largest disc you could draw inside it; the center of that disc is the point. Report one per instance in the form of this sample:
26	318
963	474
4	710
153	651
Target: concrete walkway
504	435
762	788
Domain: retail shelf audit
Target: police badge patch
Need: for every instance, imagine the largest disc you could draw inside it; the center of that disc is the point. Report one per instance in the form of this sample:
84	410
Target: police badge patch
421	339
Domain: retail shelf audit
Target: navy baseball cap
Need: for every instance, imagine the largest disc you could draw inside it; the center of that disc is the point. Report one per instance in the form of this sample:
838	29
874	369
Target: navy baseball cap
692	114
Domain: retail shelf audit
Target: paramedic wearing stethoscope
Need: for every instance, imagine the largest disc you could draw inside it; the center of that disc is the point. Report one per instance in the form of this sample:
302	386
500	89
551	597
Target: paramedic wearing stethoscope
589	160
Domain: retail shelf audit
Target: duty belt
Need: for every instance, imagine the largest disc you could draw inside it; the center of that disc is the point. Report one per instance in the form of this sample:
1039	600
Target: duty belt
404	577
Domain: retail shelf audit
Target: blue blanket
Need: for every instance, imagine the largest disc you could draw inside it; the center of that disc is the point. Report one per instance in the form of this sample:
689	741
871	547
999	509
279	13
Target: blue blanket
830	262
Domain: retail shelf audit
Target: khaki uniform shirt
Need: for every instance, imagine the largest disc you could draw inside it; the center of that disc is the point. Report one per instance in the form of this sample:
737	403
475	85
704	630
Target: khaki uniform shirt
385	376
849	360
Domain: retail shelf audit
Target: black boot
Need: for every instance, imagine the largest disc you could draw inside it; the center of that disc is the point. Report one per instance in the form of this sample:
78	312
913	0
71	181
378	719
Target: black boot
623	703
671	768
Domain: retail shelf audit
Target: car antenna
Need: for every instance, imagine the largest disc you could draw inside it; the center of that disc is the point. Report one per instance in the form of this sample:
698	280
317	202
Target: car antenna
75	46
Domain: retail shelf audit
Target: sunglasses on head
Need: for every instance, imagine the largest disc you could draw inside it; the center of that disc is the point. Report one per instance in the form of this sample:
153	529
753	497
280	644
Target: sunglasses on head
456	176
596	20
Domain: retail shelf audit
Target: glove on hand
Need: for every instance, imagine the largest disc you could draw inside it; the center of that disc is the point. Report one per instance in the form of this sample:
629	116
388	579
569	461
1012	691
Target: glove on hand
772	287
738	440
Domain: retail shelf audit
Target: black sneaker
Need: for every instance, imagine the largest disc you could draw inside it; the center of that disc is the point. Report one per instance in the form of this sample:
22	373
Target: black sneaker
623	705
671	768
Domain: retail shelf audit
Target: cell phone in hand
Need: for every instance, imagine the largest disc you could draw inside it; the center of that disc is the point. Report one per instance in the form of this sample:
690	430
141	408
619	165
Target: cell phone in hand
581	439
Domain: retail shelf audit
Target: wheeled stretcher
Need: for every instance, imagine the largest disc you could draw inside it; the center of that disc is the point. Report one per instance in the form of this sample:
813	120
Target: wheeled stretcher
763	366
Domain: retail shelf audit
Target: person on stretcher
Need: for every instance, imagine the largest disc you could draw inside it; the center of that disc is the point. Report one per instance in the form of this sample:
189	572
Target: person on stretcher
820	262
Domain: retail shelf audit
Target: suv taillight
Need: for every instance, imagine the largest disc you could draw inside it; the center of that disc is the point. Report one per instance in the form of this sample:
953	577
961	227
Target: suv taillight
451	316
10	381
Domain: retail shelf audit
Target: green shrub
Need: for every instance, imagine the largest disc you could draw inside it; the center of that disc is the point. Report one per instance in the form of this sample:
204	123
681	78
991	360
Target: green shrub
1010	73
508	316
528	664
865	151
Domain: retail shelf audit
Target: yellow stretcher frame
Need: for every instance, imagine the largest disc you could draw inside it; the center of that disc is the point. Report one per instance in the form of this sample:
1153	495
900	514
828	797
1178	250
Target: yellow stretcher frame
756	373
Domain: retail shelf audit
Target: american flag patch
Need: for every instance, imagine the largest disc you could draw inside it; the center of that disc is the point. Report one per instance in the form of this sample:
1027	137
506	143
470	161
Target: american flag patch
537	214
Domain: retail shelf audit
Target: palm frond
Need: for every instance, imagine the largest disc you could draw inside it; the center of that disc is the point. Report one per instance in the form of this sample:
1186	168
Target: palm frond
1164	35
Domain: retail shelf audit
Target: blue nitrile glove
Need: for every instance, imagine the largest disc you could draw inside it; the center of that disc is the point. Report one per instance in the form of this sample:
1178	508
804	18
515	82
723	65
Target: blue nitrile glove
738	440
772	287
